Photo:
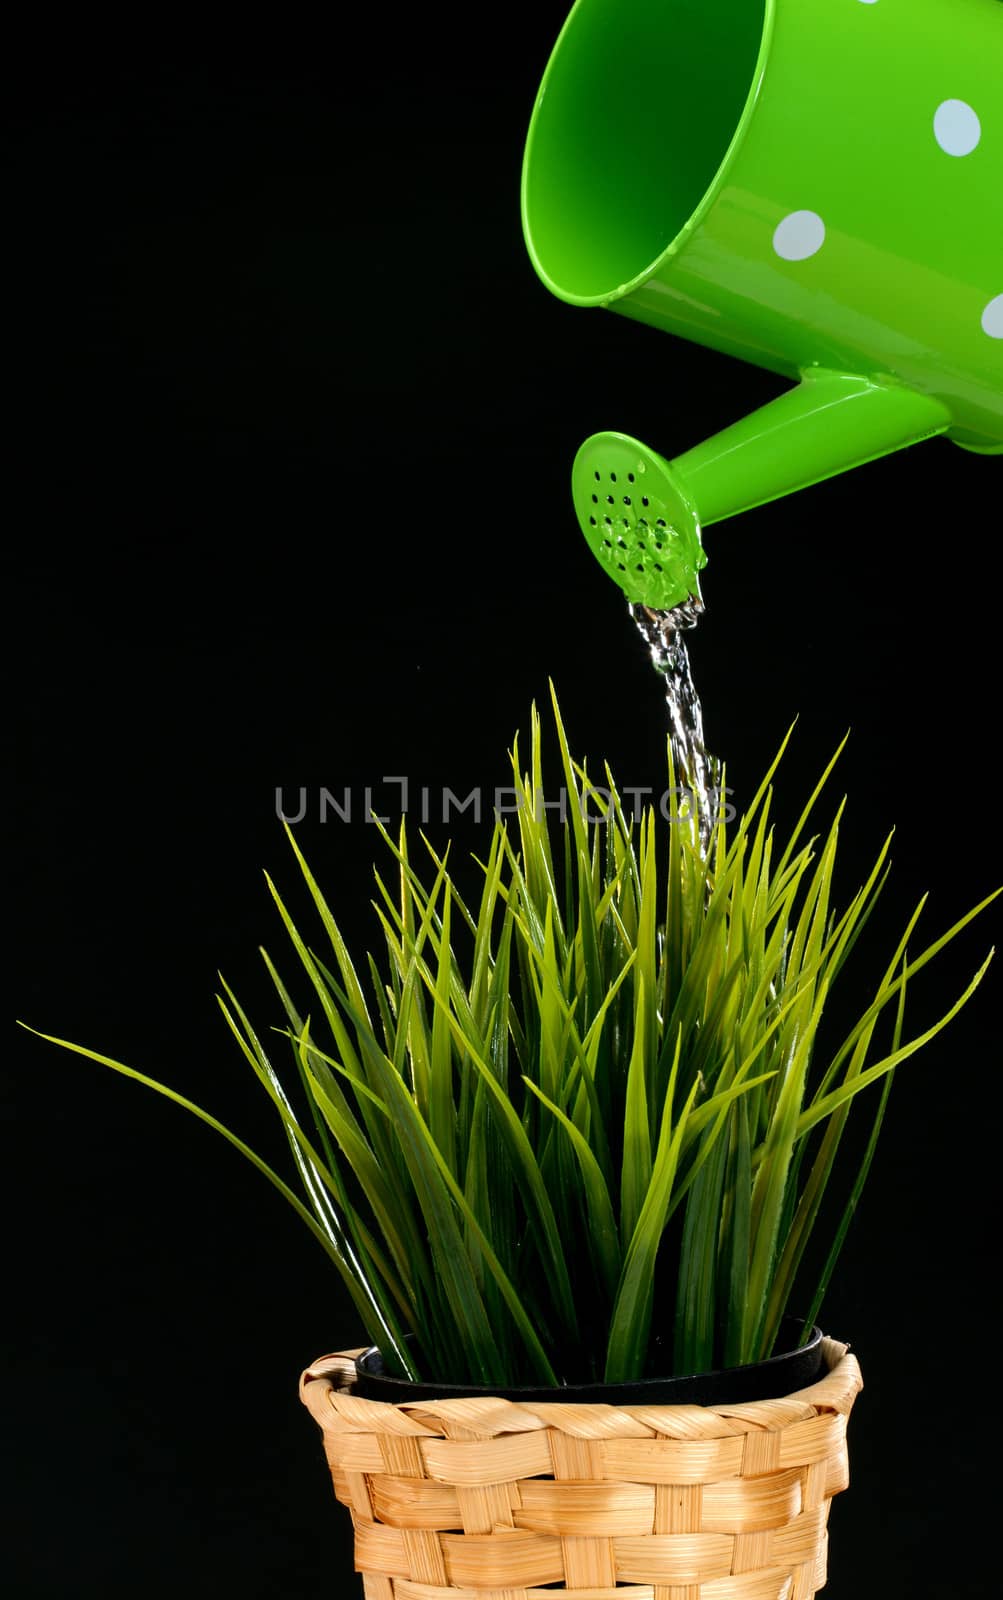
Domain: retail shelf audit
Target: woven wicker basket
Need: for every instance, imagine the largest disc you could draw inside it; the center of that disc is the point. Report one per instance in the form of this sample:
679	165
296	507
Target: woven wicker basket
484	1499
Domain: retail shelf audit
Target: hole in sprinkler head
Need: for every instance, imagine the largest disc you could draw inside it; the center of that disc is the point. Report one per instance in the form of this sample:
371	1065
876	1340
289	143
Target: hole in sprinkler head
622	543
626	499
596	475
658	566
660	523
620	567
658	544
595	499
593	521
608	543
609	500
630	477
644	500
642	522
612	477
640	566
608	520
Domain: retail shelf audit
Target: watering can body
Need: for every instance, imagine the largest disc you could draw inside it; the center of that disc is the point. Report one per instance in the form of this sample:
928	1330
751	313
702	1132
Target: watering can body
815	186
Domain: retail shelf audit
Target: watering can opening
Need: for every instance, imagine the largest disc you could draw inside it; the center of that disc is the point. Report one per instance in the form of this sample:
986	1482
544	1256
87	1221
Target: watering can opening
640	104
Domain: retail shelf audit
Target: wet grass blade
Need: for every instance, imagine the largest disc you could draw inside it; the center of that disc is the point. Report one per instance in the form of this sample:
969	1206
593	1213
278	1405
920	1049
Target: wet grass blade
346	1267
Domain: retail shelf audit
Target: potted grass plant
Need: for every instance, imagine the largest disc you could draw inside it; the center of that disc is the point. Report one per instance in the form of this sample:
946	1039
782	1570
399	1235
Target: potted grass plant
567	1143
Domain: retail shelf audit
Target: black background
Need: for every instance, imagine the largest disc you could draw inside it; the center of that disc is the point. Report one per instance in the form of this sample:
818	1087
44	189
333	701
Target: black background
300	419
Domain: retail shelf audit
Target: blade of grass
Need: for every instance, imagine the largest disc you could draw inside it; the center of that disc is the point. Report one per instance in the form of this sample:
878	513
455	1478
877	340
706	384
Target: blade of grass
630	1325
347	1268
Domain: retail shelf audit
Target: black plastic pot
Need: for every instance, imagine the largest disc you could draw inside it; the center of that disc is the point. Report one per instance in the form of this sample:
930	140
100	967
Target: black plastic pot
794	1368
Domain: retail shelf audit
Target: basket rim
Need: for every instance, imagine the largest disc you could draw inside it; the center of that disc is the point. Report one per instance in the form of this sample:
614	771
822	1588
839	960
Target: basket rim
326	1389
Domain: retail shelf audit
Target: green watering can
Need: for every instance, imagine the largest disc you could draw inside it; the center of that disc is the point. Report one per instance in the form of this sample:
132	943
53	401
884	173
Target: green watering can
815	186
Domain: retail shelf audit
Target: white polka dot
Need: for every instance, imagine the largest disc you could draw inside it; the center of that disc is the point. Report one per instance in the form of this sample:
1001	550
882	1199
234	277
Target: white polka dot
992	318
956	128
799	235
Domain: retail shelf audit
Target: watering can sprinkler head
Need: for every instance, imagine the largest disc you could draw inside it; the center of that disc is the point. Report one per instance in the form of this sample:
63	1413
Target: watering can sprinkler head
643	516
638	521
808	185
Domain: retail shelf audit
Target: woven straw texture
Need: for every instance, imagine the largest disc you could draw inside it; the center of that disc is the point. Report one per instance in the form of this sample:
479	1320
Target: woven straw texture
488	1500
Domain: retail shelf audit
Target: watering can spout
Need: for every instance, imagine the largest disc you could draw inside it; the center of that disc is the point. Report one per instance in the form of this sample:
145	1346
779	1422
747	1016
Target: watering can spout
643	516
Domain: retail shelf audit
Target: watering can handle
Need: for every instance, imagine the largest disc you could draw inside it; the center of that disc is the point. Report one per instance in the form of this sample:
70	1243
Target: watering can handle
830	422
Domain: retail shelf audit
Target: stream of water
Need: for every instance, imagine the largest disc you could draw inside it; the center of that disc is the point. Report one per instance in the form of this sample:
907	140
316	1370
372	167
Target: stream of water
697	771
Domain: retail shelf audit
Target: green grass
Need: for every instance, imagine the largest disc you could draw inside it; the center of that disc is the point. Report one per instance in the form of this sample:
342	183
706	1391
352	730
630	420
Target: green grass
587	1108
